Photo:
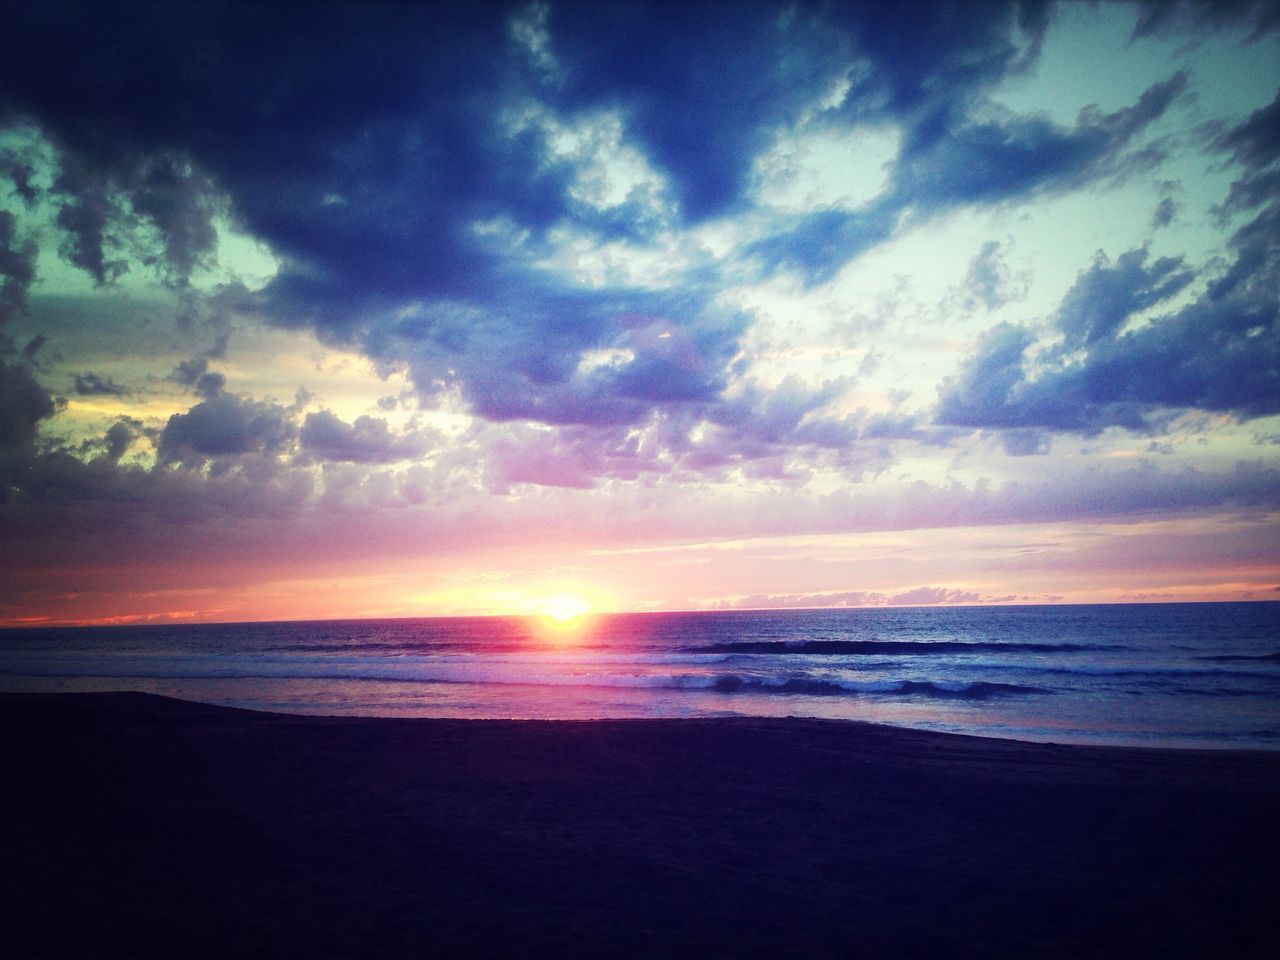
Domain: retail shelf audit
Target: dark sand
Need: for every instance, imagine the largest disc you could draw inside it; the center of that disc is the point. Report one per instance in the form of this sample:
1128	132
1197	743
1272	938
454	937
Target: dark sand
138	826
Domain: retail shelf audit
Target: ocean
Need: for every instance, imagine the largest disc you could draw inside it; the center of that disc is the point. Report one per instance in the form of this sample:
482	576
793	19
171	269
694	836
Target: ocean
1189	675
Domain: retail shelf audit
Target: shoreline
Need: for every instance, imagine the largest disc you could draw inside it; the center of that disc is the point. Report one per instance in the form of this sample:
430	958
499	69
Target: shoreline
167	826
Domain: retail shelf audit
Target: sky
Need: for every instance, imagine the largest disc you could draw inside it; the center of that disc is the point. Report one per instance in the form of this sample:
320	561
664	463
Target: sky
370	310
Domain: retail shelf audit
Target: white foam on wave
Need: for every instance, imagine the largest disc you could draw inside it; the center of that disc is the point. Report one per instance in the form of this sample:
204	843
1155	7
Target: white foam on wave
574	671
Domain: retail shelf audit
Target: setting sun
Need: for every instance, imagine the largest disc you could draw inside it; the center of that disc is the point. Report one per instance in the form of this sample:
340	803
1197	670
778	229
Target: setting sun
560	617
562	608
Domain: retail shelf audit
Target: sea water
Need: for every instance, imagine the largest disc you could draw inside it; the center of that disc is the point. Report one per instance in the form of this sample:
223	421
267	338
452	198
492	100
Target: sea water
1204	675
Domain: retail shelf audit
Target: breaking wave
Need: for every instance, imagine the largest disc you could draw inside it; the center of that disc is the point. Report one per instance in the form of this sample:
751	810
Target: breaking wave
911	648
500	672
979	690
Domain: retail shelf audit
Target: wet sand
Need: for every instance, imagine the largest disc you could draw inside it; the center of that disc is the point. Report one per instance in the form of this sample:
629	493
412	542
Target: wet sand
139	826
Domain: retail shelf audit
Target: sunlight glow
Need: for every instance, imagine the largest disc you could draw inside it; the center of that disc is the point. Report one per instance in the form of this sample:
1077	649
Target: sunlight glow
562	608
560	618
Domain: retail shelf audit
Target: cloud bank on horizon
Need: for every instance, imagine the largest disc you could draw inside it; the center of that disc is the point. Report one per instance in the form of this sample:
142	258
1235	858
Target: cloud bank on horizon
417	308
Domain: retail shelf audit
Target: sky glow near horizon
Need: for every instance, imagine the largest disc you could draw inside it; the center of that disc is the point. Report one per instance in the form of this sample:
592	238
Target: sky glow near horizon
398	310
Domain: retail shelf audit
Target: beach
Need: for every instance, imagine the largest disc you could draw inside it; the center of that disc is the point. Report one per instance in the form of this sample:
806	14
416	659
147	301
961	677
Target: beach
144	826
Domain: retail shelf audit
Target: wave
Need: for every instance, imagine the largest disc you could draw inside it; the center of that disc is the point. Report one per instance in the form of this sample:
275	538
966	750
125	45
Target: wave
910	648
939	689
410	669
1140	672
1243	658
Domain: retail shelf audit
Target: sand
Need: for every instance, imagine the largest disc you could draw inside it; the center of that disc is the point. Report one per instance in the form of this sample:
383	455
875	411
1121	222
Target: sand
139	826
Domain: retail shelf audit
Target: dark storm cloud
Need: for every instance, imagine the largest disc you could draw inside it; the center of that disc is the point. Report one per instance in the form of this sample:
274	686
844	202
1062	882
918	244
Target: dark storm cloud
737	71
17	268
84	217
224	426
324	436
179	202
189	371
120	436
33	346
92	385
348	138
195	373
209	385
98	201
364	144
23	404
19	171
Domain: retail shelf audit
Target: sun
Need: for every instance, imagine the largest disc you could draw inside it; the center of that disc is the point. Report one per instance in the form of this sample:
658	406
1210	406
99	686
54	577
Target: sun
561	608
560	618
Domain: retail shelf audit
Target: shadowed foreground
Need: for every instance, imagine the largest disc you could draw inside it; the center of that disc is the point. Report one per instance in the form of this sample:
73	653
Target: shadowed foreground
135	825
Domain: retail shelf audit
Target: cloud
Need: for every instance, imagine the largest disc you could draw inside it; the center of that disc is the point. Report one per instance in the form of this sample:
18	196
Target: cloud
120	436
1026	442
179	201
567	358
23	404
981	395
568	458
1105	296
930	596
372	184
1255	142
1160	17
102	203
195	373
17	269
33	346
224	426
379	189
368	440
19	170
1255	146
1219	353
999	159
209	385
988	282
189	371
92	385
918	596
84	218
951	159
801	601
549	218
816	245
1164	213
